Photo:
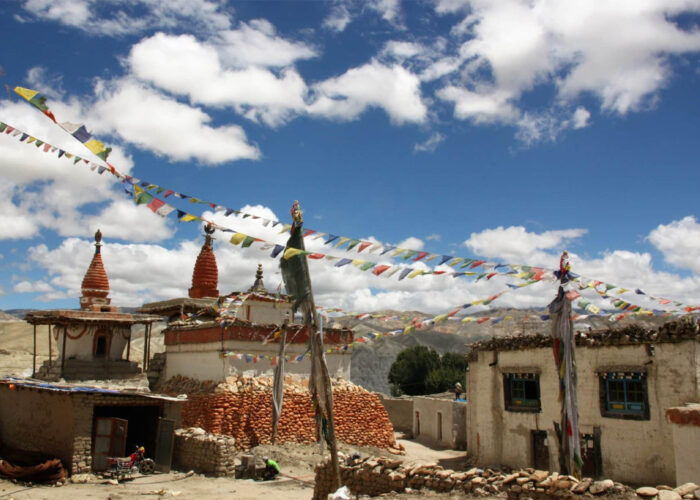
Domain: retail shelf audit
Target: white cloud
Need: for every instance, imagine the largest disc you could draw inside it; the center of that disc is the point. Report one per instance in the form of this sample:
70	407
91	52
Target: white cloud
679	241
516	245
412	243
390	10
40	191
183	65
617	51
156	123
392	88
433	237
431	143
480	107
338	18
29	287
581	118
117	18
257	44
401	50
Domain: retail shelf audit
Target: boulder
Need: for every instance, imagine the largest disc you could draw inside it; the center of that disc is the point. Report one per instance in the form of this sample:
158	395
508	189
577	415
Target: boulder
601	486
669	495
686	488
647	491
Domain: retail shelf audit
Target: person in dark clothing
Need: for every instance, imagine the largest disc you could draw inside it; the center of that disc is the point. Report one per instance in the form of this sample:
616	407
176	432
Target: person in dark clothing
271	469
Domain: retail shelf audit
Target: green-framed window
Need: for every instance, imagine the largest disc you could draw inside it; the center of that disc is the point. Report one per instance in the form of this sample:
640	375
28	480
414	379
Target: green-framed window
522	391
624	395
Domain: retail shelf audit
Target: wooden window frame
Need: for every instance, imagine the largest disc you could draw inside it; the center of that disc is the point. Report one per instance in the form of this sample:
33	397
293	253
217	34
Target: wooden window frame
624	408
521	404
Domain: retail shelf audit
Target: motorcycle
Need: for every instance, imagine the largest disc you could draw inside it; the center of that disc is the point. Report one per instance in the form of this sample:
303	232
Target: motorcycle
119	467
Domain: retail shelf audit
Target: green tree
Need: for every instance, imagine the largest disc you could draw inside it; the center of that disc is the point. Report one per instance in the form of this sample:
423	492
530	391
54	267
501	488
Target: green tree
410	370
419	370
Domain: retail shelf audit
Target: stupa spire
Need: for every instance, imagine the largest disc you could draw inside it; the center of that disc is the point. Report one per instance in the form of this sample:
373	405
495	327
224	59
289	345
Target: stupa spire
95	286
258	286
205	277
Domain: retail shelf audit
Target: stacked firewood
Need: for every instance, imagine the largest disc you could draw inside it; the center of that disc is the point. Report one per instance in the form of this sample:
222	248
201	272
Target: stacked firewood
241	407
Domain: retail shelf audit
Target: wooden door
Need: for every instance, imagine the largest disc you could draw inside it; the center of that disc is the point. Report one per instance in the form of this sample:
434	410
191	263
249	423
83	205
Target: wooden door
165	436
540	450
109	441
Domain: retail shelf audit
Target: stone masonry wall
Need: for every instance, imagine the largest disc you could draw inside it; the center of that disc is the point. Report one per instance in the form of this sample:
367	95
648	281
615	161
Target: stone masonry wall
376	476
204	453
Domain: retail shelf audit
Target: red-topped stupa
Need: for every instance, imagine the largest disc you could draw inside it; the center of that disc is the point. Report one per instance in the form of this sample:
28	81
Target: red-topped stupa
95	284
205	277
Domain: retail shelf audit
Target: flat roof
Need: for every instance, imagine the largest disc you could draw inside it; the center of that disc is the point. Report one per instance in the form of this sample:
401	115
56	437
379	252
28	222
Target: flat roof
64	316
77	388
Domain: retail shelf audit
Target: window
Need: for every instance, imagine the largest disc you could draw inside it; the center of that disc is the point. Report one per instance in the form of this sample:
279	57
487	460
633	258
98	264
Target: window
522	391
624	395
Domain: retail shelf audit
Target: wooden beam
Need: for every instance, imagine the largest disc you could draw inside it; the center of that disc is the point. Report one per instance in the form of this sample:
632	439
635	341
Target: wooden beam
34	355
63	353
48	328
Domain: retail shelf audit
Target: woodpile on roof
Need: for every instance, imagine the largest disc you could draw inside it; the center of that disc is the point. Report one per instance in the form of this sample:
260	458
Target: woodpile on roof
673	331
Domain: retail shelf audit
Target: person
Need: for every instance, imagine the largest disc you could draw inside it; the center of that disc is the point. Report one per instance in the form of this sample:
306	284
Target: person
458	390
271	469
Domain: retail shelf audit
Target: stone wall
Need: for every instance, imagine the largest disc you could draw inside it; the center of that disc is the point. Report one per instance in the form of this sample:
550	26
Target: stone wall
400	412
37	421
685	425
442	421
204	453
376	476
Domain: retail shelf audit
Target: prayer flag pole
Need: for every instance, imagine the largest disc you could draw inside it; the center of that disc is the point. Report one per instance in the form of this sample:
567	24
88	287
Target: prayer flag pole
297	280
564	346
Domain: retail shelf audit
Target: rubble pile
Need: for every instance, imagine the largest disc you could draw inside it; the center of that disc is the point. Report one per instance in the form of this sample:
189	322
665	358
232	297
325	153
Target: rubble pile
241	407
673	331
378	475
203	452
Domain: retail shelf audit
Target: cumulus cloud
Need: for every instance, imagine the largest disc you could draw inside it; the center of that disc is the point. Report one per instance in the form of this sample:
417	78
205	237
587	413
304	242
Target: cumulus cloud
517	245
119	17
186	66
167	127
679	241
391	88
338	18
510	47
32	287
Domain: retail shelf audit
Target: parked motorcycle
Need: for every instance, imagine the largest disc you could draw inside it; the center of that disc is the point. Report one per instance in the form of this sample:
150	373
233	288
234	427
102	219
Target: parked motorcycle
119	467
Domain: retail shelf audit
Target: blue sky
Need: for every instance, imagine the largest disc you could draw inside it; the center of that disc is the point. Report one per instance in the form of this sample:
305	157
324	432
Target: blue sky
502	130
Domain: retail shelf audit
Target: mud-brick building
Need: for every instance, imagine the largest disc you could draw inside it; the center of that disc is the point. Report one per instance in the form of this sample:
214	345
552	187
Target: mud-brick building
84	425
93	342
627	379
225	339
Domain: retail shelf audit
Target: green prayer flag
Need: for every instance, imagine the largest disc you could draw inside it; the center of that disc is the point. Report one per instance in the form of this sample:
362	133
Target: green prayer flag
247	241
295	270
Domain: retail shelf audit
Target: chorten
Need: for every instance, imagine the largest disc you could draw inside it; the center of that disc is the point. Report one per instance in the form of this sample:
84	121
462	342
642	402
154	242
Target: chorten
95	286
205	277
258	286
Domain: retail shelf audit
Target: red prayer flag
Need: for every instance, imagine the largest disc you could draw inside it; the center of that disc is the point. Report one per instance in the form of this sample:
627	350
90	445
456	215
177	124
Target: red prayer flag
476	263
420	256
481	320
155	204
380	269
363	245
316	256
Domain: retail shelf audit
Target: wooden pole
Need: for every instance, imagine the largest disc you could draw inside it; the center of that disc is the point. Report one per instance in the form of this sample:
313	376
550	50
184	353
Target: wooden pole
128	346
145	347
283	340
311	321
34	356
50	346
63	351
148	355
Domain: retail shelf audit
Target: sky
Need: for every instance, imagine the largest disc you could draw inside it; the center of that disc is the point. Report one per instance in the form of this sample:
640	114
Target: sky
497	130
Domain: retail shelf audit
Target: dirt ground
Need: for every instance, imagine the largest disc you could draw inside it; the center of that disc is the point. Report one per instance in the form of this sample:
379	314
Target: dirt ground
296	461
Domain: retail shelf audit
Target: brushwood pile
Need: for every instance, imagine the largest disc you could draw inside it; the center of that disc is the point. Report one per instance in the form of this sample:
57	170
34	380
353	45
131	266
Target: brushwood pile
241	407
375	476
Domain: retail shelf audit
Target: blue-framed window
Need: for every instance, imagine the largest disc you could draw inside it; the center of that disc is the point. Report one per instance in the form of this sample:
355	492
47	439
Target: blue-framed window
522	391
624	395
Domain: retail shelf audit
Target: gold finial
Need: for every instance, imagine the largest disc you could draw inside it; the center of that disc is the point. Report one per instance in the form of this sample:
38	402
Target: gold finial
98	241
259	272
208	231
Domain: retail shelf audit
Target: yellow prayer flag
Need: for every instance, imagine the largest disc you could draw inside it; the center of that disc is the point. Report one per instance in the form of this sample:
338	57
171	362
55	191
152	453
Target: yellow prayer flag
31	139
440	318
285	228
358	262
291	252
95	146
28	94
343	239
415	273
237	238
398	252
455	261
189	218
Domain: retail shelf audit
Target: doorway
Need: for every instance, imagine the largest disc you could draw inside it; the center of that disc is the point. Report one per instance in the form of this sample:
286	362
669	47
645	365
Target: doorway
540	450
439	426
140	429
